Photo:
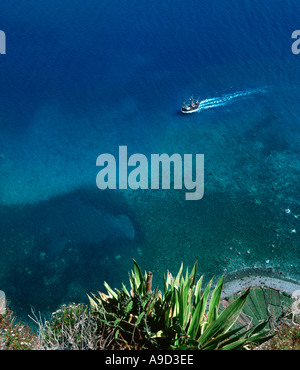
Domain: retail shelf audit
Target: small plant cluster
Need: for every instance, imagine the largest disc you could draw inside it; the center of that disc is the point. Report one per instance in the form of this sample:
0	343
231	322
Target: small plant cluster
68	328
287	338
287	334
180	317
74	327
16	335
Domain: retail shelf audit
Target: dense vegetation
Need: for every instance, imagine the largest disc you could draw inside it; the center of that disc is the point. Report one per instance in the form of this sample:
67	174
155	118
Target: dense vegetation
184	315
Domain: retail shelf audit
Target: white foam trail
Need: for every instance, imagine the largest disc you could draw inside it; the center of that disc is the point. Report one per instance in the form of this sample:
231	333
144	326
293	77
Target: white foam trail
227	98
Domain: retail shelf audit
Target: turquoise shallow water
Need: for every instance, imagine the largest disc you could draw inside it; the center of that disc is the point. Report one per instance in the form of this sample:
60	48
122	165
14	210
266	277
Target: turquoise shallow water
80	79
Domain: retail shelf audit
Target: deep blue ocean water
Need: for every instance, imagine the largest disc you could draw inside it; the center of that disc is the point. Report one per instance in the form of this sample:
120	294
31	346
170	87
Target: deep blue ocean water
82	78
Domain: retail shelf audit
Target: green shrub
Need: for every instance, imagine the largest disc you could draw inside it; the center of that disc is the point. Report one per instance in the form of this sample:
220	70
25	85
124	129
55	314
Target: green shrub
15	335
75	327
63	330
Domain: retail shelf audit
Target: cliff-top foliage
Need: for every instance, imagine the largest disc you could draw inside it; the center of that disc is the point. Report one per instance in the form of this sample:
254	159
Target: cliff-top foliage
183	315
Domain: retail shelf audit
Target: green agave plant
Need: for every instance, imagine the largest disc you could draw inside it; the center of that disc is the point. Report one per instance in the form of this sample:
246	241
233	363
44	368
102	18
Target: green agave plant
126	311
183	316
197	315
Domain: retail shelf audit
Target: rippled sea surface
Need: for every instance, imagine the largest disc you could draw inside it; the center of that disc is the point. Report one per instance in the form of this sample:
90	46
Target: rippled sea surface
82	78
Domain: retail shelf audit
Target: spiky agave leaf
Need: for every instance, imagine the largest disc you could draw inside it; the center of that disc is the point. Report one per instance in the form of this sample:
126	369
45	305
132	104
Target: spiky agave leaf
215	301
226	319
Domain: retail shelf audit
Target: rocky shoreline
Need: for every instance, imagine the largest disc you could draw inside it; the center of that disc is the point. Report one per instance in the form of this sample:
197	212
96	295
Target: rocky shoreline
240	280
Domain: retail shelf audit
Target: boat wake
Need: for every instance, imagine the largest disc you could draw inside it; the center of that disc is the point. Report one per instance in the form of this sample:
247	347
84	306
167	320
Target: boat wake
228	99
